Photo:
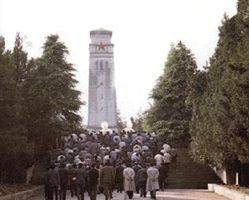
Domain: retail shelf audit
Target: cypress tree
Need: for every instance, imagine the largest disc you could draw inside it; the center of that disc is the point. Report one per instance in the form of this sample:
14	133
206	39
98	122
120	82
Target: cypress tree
16	152
221	118
54	101
170	113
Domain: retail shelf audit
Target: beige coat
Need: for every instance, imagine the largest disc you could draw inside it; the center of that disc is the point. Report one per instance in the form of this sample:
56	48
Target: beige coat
152	180
129	179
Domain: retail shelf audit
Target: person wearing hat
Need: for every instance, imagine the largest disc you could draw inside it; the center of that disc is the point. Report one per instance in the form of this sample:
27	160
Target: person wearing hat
113	155
159	159
61	159
116	139
106	157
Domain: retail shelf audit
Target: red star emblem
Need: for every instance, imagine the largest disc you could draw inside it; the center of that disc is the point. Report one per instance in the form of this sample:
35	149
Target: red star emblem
101	45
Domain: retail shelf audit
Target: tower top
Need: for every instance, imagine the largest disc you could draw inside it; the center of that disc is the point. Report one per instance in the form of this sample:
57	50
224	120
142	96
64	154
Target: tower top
101	31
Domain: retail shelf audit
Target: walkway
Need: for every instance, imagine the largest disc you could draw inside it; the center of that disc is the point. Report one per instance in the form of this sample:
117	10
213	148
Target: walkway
170	194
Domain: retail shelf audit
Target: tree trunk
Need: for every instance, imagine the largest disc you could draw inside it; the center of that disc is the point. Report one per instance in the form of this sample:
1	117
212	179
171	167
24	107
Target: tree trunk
244	174
231	175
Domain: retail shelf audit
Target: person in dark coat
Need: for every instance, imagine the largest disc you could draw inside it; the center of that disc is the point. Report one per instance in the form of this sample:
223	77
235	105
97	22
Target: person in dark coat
107	139
72	180
46	185
136	168
52	177
163	173
93	176
119	179
107	179
63	181
81	181
141	179
88	186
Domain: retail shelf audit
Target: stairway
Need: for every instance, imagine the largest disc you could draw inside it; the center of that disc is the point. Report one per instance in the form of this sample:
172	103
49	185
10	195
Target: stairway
186	174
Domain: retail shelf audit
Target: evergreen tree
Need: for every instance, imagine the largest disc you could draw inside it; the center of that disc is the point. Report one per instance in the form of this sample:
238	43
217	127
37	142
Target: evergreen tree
120	122
170	113
7	91
221	118
13	67
137	122
19	62
15	151
53	100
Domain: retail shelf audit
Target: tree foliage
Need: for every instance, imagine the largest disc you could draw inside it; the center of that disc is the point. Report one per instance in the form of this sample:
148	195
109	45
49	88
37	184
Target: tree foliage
137	122
54	101
170	113
15	150
120	122
221	113
38	105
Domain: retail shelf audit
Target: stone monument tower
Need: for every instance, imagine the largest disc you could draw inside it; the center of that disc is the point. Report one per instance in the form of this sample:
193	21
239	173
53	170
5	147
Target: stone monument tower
102	92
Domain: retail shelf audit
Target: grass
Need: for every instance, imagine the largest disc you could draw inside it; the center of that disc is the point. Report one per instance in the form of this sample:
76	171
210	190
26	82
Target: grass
10	189
244	190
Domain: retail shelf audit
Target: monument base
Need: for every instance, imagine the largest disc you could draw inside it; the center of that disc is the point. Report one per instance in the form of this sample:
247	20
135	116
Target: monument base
97	128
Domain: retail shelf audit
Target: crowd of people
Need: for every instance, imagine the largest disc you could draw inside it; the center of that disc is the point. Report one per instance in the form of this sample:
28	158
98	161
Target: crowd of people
101	162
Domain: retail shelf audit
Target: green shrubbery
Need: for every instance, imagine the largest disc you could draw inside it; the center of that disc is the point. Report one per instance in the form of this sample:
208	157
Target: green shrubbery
209	108
38	105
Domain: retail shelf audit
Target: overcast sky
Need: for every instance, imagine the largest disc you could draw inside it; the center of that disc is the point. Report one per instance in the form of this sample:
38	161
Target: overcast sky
142	33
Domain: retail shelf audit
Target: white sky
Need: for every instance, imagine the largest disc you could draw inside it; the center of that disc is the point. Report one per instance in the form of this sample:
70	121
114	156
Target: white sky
142	33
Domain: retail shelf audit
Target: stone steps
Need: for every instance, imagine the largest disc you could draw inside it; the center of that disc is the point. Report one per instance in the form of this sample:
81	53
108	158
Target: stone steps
186	174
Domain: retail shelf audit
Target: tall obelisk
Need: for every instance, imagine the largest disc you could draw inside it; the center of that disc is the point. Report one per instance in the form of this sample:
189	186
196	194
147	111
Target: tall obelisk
102	104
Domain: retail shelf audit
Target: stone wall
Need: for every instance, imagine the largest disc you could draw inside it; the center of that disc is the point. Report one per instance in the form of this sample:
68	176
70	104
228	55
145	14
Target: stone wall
24	195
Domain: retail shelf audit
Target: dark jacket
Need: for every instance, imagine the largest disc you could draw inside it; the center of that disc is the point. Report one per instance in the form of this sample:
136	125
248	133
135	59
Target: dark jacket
52	177
93	176
141	177
81	177
119	174
163	171
63	176
107	175
72	173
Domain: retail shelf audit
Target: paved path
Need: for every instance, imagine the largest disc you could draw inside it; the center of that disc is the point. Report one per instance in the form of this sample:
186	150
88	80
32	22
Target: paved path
169	194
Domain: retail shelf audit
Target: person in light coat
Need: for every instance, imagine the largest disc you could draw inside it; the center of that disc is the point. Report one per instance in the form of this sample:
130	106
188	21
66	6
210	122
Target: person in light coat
152	184
129	181
159	159
166	158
